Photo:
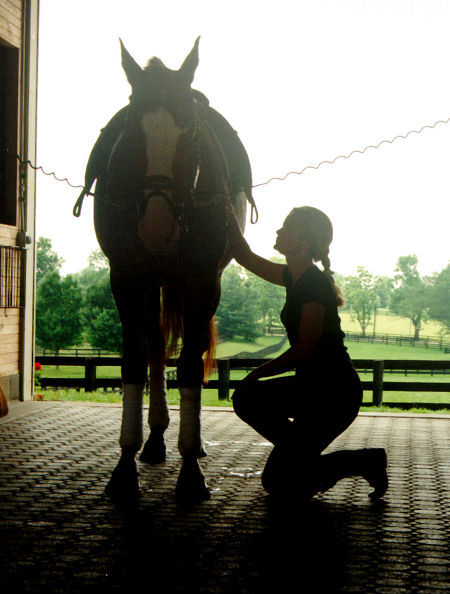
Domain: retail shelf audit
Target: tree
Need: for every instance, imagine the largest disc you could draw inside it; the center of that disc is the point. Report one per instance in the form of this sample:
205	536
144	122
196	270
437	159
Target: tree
383	288
237	314
97	271
270	297
58	311
100	317
361	297
98	260
46	259
269	301
439	298
411	293
91	276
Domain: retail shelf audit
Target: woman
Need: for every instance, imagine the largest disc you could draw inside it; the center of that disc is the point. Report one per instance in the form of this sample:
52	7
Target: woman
302	414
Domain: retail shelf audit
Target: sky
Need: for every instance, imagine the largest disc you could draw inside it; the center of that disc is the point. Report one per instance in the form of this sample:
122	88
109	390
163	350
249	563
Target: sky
301	81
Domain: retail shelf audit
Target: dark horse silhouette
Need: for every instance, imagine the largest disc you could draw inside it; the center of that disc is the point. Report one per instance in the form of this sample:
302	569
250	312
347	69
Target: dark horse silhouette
168	170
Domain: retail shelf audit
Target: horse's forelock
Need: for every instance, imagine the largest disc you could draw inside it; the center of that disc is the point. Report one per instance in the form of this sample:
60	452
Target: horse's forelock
155	63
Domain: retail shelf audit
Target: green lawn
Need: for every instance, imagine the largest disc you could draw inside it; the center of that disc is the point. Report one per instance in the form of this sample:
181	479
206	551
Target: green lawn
388	323
367	350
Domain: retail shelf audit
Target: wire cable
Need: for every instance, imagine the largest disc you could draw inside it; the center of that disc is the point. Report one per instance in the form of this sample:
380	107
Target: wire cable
354	152
325	162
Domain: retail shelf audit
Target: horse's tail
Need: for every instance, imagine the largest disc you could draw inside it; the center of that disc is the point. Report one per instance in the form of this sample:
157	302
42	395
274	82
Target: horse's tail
173	330
172	321
210	354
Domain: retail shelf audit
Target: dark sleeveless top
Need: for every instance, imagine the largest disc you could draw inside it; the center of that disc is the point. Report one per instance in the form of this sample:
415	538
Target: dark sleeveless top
313	285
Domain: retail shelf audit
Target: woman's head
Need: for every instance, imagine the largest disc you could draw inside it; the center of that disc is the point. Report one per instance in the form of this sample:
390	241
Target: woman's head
309	228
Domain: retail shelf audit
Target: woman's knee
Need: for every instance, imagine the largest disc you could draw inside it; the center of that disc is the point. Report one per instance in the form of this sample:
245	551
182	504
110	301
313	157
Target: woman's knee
242	403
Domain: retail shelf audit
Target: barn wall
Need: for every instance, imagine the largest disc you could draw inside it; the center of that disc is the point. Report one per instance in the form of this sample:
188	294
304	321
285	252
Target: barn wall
11	22
10	319
18	30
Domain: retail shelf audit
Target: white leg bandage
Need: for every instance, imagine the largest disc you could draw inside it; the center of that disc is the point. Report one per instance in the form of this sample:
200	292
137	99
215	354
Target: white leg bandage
189	437
131	430
158	412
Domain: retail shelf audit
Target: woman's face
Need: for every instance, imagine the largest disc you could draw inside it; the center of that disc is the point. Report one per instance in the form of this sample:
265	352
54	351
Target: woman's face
289	240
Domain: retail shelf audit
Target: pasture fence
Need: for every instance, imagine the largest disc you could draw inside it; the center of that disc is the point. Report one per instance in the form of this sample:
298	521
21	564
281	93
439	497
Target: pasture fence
427	342
224	382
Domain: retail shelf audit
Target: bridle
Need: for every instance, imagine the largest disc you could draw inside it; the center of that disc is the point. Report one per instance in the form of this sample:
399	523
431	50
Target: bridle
164	186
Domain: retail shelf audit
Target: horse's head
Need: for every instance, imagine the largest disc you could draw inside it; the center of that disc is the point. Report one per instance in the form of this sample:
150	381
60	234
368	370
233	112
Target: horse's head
149	159
157	87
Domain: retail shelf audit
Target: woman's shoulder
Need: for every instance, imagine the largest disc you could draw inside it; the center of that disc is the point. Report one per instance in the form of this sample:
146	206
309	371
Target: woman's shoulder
287	277
313	277
313	286
317	276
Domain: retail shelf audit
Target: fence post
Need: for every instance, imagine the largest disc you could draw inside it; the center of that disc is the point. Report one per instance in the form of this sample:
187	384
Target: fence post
223	368
378	368
90	376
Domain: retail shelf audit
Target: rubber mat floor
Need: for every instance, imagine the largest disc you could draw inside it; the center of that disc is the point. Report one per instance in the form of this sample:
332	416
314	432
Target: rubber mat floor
58	534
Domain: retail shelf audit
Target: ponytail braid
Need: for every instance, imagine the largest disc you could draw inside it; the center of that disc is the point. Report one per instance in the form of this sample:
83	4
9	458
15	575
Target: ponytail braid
329	273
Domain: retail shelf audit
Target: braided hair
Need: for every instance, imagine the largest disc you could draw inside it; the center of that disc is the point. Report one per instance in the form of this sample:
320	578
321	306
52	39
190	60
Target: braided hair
316	228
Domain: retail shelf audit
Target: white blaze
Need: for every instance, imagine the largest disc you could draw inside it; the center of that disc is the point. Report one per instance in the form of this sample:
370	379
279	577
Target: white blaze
158	228
161	141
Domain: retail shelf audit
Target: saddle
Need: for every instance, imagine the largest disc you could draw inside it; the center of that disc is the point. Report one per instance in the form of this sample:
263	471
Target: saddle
221	150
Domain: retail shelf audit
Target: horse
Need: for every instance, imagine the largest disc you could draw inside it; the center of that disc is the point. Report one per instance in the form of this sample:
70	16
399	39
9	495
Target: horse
168	171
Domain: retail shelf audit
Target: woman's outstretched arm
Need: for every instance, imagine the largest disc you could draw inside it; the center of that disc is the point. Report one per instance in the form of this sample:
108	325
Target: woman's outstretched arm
269	271
309	332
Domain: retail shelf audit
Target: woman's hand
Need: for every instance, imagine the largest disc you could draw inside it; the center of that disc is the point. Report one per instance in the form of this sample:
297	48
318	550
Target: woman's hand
241	252
252	377
238	244
310	330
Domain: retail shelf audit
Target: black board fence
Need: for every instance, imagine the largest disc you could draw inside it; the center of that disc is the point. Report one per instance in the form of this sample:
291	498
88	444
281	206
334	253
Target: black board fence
224	383
428	342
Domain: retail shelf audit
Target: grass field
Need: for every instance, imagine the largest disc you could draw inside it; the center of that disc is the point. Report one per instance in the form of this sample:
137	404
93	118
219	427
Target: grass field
388	323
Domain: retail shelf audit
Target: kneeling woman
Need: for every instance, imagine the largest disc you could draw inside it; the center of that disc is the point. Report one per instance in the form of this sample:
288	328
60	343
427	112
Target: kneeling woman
302	414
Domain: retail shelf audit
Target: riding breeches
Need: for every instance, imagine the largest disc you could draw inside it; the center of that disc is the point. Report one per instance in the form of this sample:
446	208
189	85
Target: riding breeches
305	411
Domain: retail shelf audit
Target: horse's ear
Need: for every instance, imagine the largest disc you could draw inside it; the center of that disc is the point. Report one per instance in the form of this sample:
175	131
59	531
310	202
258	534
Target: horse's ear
190	64
131	67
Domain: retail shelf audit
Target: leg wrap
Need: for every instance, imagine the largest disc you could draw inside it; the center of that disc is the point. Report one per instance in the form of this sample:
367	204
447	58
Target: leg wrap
131	430
158	412
189	437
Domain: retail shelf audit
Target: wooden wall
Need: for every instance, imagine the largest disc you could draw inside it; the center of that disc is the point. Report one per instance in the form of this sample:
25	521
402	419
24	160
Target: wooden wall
11	22
10	319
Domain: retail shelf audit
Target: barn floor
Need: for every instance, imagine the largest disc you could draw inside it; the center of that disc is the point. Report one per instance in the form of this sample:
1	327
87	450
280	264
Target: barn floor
57	533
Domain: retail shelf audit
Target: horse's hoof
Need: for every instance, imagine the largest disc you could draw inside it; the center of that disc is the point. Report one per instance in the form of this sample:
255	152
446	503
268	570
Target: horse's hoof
191	485
124	483
154	451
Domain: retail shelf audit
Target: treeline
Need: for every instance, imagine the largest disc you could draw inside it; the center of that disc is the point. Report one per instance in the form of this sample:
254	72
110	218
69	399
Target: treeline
75	309
79	308
250	306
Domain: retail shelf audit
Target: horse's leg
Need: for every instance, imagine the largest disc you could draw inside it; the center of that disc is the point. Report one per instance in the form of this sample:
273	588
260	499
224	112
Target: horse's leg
199	307
129	296
154	451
